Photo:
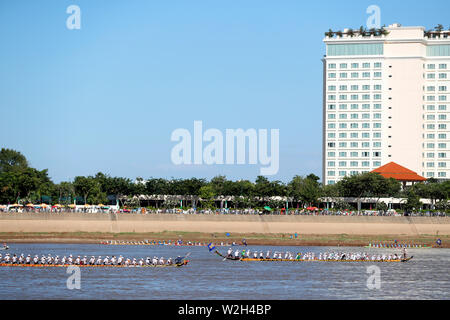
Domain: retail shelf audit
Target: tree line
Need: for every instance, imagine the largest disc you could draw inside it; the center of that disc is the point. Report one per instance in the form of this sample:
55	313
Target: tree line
20	182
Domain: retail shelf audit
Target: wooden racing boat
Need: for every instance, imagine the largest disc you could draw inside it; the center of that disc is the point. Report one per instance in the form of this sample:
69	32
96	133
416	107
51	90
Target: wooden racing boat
375	247
306	260
175	265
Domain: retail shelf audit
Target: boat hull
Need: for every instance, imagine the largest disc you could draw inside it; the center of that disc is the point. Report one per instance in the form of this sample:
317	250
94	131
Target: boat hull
91	266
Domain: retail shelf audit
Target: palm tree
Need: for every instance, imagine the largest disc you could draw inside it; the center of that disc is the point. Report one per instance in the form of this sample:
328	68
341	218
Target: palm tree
373	31
339	34
362	31
428	33
350	33
439	28
330	33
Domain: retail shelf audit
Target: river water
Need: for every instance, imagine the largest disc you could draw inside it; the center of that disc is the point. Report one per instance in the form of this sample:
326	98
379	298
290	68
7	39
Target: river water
207	276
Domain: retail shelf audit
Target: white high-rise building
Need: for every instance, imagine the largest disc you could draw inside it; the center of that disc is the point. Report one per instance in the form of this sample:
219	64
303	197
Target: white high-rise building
386	98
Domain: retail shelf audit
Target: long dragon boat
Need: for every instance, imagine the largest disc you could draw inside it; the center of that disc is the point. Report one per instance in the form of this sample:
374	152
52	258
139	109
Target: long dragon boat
397	247
175	265
309	260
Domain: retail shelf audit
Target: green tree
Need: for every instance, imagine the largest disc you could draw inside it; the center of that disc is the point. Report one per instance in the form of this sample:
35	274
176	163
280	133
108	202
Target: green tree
12	160
85	186
207	195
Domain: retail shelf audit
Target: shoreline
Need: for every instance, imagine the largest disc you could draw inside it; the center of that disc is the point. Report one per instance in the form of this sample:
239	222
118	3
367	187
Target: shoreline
351	240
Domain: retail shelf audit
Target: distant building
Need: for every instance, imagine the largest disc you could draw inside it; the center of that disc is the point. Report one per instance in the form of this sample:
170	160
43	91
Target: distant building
386	98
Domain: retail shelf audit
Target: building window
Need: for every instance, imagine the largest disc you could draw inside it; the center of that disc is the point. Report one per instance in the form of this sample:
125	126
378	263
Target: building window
342	126
343	88
377	154
342	154
331	116
343	66
366	74
331	88
377	65
331	154
366	65
331	66
441	174
377	87
331	126
377	106
332	75
377	74
431	66
365	154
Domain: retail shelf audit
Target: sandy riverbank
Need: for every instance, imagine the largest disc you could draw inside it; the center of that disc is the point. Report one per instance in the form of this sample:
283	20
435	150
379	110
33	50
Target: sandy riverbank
276	230
328	225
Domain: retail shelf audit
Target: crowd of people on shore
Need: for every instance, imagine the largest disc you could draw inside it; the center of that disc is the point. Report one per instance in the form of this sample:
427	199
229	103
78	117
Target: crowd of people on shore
311	256
223	211
92	261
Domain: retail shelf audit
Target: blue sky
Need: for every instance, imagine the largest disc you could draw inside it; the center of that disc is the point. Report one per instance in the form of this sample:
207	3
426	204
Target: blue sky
108	96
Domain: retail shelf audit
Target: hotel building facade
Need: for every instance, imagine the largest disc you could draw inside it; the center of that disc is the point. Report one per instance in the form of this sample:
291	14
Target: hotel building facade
386	98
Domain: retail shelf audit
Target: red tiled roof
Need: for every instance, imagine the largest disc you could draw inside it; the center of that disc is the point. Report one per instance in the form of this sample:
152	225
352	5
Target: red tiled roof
396	171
